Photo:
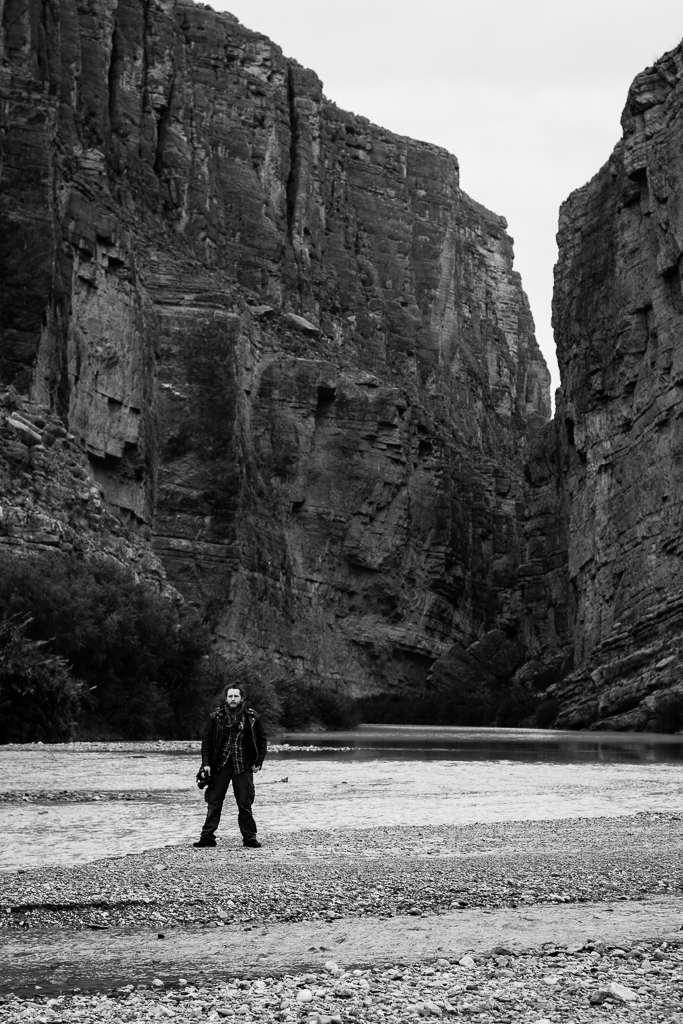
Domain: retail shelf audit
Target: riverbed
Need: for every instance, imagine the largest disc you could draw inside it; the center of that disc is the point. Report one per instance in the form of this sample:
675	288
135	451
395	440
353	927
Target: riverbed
74	803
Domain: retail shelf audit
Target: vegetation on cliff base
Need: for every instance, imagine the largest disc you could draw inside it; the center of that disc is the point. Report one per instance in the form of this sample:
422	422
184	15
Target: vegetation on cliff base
87	651
39	698
505	706
285	701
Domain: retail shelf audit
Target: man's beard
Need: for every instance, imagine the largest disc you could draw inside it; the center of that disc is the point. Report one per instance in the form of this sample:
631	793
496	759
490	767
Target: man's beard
234	713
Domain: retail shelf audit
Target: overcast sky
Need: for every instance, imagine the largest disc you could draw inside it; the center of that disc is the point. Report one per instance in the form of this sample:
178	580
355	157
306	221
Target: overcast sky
527	93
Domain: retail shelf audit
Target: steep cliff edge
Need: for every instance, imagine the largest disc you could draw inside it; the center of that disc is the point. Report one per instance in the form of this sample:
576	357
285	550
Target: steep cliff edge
290	346
610	470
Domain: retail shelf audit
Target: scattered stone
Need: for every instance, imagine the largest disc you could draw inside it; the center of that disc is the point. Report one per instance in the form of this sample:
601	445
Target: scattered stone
301	324
621	992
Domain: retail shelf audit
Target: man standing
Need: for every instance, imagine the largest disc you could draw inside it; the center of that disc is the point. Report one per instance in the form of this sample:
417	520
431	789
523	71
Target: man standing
233	748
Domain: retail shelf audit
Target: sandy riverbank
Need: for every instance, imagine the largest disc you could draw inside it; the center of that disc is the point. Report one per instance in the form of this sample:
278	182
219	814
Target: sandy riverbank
390	896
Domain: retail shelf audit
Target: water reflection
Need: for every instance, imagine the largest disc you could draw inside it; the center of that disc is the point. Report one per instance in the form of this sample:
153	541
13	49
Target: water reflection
470	744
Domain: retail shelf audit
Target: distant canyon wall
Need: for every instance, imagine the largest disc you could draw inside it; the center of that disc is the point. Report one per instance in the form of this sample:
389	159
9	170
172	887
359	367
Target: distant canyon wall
609	471
295	354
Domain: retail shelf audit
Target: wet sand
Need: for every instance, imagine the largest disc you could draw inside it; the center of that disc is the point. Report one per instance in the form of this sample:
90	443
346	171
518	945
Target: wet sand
114	958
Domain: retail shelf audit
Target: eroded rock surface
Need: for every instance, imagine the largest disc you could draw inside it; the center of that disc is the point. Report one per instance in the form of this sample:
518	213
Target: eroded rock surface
290	345
50	502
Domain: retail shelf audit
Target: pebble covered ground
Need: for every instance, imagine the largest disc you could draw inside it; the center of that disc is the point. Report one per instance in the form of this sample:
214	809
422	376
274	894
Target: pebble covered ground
643	983
380	872
309	876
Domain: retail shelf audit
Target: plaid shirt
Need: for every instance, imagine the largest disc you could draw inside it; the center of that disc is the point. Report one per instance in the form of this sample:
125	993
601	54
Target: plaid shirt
233	741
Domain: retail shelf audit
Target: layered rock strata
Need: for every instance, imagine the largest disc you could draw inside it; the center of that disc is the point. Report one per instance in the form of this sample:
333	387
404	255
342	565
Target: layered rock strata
50	503
289	344
610	470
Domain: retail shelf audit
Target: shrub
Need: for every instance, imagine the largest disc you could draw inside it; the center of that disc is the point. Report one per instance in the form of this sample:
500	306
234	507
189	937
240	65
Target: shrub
282	699
547	712
517	707
307	706
139	655
668	715
258	680
39	698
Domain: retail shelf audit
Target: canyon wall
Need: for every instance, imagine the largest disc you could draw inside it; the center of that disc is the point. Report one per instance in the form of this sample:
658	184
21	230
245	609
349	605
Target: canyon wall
272	357
294	354
609	472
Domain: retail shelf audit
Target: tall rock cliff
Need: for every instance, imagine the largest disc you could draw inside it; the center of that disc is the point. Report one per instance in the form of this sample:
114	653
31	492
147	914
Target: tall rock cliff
605	572
293	350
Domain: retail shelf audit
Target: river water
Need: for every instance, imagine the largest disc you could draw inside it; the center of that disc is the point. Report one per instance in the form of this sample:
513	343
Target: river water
72	803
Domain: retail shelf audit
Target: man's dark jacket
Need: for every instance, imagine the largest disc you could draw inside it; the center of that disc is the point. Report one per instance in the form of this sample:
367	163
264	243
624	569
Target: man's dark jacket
255	741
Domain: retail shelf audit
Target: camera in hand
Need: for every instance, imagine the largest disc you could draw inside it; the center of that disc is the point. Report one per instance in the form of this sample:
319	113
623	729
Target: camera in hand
203	777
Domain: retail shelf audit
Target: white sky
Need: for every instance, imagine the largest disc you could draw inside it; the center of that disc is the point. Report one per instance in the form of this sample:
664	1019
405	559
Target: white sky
527	93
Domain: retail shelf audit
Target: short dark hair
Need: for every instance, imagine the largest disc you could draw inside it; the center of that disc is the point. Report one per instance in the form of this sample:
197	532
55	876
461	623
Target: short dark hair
233	686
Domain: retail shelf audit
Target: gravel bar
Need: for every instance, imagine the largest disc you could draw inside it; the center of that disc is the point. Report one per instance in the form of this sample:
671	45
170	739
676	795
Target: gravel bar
374	874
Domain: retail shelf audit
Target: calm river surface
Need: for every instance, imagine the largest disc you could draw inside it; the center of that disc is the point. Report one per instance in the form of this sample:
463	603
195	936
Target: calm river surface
87	801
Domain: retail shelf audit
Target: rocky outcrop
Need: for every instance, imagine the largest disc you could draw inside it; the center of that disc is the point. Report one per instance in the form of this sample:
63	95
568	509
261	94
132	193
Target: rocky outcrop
291	348
610	470
50	503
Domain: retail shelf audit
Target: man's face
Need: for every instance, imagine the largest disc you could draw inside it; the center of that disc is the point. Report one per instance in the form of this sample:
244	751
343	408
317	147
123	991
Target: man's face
233	698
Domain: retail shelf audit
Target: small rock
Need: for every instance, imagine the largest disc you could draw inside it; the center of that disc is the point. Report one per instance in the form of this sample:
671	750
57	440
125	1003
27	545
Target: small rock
433	1008
157	983
261	312
304	995
466	961
598	997
301	323
621	992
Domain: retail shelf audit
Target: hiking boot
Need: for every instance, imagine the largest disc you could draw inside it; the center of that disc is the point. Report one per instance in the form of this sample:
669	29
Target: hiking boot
209	841
253	843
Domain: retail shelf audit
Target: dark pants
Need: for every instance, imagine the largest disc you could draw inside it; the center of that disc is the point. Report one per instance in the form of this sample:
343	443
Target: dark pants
243	790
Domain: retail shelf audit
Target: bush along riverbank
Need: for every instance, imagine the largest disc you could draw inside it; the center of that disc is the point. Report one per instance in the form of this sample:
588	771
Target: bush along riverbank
89	652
